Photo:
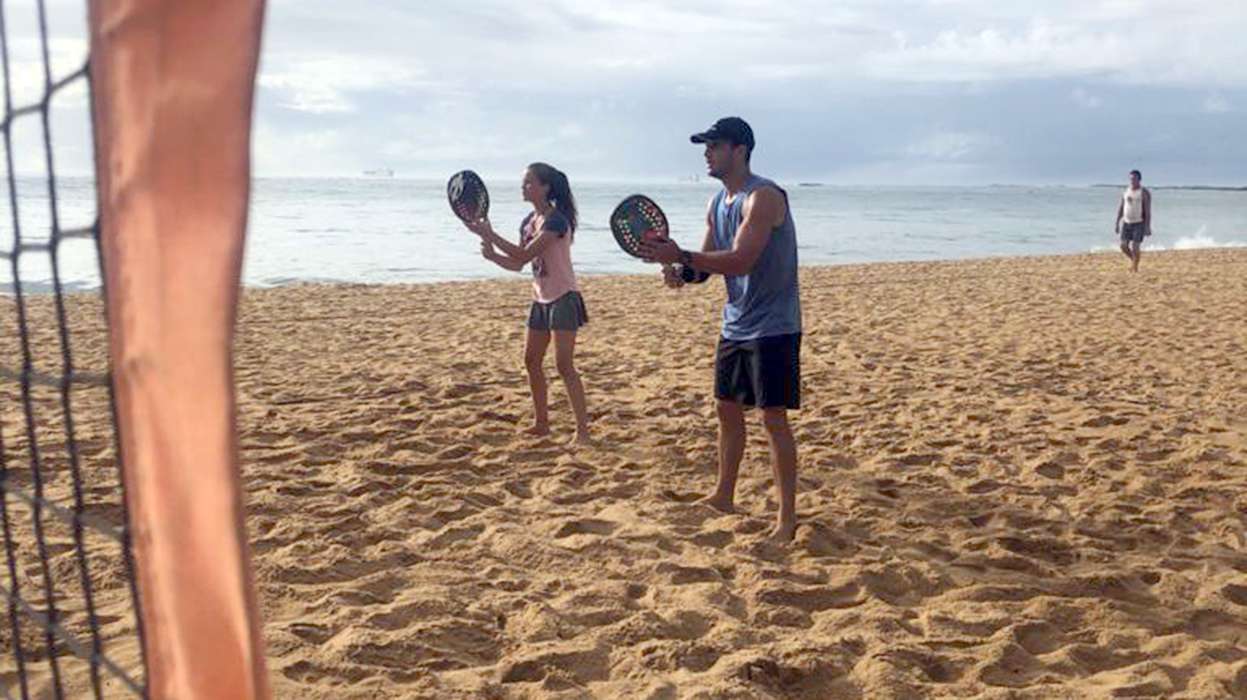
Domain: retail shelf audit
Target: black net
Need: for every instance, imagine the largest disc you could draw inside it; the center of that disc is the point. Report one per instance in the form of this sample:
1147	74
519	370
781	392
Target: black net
72	617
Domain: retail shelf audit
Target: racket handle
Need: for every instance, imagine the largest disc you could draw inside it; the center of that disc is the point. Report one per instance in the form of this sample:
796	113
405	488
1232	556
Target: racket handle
668	270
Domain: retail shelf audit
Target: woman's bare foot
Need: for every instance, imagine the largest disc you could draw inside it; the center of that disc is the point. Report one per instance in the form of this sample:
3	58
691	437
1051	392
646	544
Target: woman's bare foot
784	531
719	502
537	430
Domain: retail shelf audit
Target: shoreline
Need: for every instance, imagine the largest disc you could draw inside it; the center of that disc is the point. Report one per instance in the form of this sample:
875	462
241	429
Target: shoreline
5	292
44	289
522	278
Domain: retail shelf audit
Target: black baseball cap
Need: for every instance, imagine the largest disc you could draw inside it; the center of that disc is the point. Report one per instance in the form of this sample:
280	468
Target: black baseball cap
732	129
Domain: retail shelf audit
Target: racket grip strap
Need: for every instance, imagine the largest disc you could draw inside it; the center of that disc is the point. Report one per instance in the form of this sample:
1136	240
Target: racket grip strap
692	276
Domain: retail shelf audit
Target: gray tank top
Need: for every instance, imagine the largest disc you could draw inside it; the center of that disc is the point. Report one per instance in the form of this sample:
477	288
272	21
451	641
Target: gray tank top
766	301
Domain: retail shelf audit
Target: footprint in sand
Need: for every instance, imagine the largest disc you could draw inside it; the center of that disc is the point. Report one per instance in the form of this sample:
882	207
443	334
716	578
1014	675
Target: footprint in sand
1104	422
751	526
497	417
1216	626
888	488
585	527
1050	470
1038	638
584	665
814	598
681	496
308	672
1155	455
1013	667
1049	550
519	489
1235	594
935	667
449	515
918	460
981	520
308	632
452	536
1098	659
822	543
455	452
715	539
685	575
458	391
984	486
529	456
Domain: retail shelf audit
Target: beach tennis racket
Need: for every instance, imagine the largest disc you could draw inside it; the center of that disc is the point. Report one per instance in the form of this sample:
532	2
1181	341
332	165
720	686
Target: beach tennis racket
469	199
638	218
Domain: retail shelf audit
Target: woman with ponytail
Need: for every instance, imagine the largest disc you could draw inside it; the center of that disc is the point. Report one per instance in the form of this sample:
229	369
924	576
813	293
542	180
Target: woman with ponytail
557	310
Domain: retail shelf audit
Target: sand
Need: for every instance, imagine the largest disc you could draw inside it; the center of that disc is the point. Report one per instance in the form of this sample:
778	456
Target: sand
1019	478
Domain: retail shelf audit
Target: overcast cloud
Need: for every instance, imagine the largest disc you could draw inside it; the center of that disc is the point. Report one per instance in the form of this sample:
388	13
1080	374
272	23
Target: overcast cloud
907	91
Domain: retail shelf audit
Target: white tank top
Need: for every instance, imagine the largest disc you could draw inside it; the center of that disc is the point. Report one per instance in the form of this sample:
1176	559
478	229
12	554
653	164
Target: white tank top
1132	206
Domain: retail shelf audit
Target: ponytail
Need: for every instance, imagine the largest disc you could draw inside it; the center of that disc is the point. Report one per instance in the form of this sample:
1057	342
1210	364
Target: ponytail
560	194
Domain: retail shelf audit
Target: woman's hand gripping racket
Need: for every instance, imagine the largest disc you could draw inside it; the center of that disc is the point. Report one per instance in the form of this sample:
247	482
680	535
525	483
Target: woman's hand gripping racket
469	199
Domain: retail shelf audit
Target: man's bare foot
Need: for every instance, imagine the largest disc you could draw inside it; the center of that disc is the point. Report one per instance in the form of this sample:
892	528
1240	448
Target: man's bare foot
719	503
537	430
581	439
784	532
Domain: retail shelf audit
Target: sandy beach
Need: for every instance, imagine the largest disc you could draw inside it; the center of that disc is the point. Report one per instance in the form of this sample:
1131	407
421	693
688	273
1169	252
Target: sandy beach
1019	478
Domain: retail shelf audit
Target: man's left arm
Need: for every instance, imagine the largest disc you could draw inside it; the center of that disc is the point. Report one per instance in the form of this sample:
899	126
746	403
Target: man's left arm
1147	212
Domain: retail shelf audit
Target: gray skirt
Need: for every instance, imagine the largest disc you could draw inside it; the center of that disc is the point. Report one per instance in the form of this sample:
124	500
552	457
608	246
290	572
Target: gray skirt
567	313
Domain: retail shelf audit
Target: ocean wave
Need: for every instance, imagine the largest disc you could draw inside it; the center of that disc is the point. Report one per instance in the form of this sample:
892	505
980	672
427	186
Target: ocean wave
1196	241
1203	241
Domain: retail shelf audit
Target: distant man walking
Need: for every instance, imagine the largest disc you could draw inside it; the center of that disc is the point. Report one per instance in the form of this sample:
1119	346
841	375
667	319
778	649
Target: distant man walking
1134	218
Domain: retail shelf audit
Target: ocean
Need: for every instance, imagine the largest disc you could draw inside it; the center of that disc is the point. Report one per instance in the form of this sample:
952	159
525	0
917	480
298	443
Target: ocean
391	230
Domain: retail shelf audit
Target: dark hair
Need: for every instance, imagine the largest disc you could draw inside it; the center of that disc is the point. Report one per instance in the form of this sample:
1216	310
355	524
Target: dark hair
1137	174
560	194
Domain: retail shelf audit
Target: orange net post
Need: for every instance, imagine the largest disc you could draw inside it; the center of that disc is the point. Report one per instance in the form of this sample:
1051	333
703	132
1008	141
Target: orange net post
173	85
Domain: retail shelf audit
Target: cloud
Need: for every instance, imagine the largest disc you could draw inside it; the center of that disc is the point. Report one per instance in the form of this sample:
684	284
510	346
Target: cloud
895	90
1084	99
1139	42
947	146
1042	51
1217	104
322	84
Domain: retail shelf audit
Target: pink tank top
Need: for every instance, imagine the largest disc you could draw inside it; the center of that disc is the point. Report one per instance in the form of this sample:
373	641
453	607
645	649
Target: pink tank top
552	270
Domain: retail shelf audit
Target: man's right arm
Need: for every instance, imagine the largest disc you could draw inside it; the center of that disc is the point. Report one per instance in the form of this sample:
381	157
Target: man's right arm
1121	210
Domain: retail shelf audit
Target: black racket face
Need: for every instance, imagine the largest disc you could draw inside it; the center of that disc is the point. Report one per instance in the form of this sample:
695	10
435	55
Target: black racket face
469	199
637	219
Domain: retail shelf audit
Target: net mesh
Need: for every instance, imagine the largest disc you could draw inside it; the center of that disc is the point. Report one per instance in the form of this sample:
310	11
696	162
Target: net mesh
74	626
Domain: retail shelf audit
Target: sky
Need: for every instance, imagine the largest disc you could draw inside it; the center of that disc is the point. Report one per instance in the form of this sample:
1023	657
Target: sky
865	92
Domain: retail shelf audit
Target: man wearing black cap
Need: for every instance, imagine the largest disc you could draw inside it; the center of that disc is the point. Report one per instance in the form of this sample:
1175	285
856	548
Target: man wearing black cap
750	240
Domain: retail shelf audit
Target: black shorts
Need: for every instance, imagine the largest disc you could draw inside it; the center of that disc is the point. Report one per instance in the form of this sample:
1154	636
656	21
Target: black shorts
765	373
567	313
1133	232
